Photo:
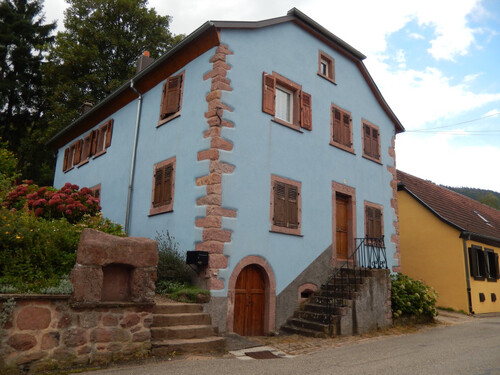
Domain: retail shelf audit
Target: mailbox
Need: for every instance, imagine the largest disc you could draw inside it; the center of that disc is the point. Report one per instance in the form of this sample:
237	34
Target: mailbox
200	258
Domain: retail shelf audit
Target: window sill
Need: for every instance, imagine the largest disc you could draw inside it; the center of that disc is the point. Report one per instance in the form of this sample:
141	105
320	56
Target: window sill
343	147
102	152
327	78
491	280
378	161
83	162
167	119
287	124
478	278
69	169
161	210
289	231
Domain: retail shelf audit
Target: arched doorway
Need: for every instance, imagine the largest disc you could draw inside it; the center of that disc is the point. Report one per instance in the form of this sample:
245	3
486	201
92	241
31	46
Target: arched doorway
250	302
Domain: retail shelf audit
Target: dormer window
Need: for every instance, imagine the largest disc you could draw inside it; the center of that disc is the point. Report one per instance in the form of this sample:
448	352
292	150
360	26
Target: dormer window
326	67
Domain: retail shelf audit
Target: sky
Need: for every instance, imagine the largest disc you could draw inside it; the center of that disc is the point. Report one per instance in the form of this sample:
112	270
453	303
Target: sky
436	63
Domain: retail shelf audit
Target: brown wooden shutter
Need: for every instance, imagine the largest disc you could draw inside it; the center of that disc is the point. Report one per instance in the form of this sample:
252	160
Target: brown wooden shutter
337	125
497	270
367	140
167	185
66	158
346	130
268	94
473	260
279	213
305	111
101	135
374	141
171	97
78	152
93	142
292	207
109	132
158	187
373	222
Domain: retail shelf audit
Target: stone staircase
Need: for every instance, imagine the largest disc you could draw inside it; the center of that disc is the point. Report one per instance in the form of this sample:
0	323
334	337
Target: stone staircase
183	328
312	319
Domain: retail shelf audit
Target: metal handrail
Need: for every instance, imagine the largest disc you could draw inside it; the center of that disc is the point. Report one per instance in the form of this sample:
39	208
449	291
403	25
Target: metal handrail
369	253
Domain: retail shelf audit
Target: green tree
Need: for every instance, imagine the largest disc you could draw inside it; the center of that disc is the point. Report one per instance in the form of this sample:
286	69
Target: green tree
24	38
97	52
490	199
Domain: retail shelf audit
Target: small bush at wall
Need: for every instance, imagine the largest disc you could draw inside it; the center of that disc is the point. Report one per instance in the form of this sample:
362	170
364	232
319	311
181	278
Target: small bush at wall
411	297
172	265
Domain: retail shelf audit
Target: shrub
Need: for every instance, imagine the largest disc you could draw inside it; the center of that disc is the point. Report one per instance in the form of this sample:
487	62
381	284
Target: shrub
171	263
49	203
412	297
8	169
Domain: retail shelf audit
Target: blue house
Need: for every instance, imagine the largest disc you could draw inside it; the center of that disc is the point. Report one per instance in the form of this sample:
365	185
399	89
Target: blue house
266	144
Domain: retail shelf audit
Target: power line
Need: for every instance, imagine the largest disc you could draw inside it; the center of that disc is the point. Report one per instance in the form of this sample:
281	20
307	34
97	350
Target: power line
429	130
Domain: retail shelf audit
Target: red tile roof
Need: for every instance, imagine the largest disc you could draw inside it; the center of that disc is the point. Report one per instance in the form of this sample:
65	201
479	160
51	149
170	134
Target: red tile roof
464	213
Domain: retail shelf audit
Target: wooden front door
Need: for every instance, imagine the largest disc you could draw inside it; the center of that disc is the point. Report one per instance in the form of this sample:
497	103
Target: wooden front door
341	205
249	302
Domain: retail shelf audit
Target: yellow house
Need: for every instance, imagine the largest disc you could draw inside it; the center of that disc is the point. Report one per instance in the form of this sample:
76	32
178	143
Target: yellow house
451	242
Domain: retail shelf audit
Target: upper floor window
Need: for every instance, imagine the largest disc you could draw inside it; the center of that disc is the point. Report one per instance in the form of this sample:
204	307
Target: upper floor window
102	138
285	100
373	221
341	129
162	199
483	264
326	66
285	205
371	141
171	98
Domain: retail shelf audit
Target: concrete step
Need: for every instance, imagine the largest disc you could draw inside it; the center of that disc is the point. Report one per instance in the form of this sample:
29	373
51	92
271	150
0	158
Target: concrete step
166	320
302	331
182	332
322	309
211	344
177	308
307	324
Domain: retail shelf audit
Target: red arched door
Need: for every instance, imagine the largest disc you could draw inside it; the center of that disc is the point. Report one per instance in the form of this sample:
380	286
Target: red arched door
249	302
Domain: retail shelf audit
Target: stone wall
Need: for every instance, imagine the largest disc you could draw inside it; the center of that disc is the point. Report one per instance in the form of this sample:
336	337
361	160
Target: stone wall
47	332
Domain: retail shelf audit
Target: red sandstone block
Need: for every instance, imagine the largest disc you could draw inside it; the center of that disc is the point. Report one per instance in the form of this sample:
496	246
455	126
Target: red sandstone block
141	336
215	72
33	318
84	350
22	341
215	94
31	357
209	222
215	284
219	211
221	167
50	340
109	320
212	132
212	199
219	56
218	85
221	64
65	321
221	144
218	107
223	48
74	337
212	178
130	320
213	247
214	189
208	154
212	234
217	261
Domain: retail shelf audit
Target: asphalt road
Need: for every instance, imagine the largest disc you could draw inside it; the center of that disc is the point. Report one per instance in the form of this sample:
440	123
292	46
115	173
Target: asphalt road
471	348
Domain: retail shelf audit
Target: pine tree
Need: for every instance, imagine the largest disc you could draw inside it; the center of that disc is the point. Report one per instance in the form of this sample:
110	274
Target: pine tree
24	38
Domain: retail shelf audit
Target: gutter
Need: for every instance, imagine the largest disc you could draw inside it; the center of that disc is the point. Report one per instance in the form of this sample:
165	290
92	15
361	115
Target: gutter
134	152
467	274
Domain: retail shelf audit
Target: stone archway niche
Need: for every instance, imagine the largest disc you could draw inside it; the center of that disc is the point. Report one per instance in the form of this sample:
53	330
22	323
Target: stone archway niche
114	269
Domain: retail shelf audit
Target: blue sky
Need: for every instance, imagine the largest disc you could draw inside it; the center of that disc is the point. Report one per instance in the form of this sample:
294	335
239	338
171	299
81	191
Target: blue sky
435	61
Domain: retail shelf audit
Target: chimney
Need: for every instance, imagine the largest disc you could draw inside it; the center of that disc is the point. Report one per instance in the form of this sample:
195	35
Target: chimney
85	107
143	62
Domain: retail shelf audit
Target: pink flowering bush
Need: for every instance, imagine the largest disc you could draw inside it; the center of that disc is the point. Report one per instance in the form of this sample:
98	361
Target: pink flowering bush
69	202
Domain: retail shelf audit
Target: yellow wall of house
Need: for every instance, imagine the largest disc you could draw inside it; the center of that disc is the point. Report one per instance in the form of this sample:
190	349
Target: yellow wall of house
484	286
432	251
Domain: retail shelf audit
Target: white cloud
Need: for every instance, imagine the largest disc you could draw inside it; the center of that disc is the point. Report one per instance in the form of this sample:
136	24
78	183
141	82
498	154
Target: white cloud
437	159
416	36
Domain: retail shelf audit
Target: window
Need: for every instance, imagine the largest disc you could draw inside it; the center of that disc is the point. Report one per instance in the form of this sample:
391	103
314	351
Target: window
286	101
162	199
326	67
371	142
69	157
483	264
102	138
171	98
96	191
341	129
373	222
285	205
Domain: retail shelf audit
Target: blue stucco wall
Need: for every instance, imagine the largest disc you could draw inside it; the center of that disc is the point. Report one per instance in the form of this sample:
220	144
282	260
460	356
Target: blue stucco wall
261	148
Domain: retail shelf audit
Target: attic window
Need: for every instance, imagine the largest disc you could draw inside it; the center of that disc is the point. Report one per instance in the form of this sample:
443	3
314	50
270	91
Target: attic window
483	218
